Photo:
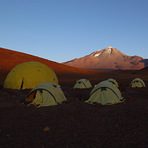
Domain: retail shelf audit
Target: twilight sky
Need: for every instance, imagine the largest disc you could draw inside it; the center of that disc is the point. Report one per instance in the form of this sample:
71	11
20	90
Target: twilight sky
61	30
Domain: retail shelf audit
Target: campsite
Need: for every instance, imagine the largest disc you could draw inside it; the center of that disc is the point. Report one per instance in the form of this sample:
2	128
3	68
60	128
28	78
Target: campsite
73	123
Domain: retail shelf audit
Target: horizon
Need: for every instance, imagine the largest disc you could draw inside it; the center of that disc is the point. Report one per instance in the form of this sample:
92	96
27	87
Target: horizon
61	31
66	61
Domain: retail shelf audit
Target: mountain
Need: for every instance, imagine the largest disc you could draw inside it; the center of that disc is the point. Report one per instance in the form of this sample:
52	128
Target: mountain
108	58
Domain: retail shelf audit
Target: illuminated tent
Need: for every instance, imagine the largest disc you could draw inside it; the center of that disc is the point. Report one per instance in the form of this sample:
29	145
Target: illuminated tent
82	83
45	94
137	83
105	93
113	81
28	75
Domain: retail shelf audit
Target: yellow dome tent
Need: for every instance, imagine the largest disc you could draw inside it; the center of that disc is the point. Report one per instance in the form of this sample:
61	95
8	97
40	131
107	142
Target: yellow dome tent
137	83
105	93
28	75
113	81
45	94
82	83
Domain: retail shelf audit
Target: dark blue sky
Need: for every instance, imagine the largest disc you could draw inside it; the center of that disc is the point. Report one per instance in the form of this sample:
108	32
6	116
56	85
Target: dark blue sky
61	30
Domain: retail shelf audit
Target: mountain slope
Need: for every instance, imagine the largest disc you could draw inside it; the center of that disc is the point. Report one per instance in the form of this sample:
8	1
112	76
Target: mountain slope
9	59
108	58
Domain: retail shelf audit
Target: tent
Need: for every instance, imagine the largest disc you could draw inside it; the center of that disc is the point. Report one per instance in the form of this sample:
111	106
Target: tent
113	81
45	94
137	83
28	75
105	93
82	83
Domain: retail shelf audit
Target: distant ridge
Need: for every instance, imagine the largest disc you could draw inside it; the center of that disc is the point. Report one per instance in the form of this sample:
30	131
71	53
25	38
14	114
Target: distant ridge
109	58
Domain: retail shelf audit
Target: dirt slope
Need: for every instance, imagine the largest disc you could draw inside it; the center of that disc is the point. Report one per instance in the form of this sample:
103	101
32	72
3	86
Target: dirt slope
9	59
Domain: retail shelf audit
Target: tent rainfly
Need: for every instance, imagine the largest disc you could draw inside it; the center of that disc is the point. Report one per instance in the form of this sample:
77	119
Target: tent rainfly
105	93
82	83
29	74
137	83
113	81
45	94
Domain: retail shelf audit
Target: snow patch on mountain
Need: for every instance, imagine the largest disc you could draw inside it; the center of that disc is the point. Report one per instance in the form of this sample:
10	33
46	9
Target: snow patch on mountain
107	50
97	54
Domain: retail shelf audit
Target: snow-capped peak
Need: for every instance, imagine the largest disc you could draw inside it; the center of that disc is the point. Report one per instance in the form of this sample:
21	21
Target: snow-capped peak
108	58
107	50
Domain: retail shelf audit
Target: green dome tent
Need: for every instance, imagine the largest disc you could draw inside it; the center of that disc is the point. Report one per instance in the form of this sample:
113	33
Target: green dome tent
82	83
137	83
45	94
28	75
105	93
113	81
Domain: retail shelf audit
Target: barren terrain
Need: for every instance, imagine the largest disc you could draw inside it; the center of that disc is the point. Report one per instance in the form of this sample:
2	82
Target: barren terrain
73	124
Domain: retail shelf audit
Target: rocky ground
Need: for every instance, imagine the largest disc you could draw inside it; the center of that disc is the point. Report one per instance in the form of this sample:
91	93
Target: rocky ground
75	124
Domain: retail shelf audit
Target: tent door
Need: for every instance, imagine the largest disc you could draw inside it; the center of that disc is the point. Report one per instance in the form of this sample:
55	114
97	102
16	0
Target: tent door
22	84
31	97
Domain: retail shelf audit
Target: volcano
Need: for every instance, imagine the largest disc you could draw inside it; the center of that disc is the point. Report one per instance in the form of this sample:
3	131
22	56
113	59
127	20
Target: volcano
109	58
